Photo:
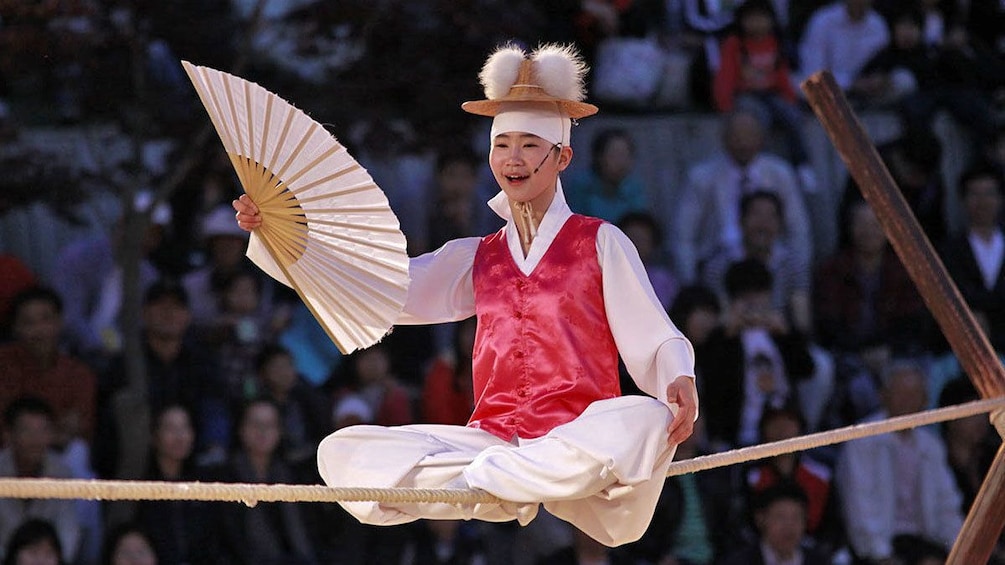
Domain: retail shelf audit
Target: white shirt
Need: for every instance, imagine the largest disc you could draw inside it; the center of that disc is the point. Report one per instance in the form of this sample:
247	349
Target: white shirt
772	558
761	354
988	255
836	43
441	290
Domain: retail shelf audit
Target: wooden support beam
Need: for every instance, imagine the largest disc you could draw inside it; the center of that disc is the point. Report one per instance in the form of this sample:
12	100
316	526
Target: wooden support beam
984	524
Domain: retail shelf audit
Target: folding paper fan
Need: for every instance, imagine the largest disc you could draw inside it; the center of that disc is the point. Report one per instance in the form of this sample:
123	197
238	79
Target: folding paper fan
327	226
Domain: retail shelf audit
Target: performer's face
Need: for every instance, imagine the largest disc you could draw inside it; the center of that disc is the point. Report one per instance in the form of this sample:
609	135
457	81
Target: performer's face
514	158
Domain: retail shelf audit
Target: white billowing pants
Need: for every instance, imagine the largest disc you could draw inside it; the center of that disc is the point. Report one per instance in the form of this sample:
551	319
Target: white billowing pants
602	472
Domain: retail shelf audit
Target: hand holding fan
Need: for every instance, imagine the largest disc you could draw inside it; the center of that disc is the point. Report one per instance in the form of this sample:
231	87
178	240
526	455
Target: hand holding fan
328	229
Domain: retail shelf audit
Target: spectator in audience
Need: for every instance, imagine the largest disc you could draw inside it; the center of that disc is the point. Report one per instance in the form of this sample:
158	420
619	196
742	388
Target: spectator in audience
34	364
751	362
239	331
696	311
780	519
179	531
179	371
15	277
968	78
823	523
271	532
305	412
707	218
754	74
898	487
454	212
841	37
368	378
906	65
761	227
225	245
707	21
761	215
970	442
915	159
647	235
863	297
90	282
130	544
609	189
975	257
29	428
34	542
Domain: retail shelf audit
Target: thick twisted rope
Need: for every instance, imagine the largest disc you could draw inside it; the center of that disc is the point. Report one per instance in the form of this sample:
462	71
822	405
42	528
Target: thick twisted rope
252	494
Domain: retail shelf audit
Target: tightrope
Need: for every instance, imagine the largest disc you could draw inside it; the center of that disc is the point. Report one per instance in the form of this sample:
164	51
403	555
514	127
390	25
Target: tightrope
252	494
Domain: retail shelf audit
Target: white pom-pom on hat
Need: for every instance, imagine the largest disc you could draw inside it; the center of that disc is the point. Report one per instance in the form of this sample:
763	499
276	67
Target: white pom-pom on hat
500	71
551	74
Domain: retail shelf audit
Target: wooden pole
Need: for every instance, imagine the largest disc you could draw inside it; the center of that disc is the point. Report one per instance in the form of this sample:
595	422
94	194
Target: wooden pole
982	527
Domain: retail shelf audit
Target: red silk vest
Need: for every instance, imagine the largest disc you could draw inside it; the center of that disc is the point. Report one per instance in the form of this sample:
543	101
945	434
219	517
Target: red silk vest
543	350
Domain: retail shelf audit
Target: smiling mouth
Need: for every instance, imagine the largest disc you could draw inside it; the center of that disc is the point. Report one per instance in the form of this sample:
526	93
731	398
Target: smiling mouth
517	178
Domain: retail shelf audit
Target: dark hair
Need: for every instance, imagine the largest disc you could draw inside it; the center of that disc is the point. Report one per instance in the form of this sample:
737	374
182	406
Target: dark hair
691	298
247	405
787	410
979	171
242	412
958	391
747	276
346	374
115	536
920	147
268	352
753	7
35	294
644	218
30	532
910	12
26	405
786	489
747	200
602	139
166	287
155	420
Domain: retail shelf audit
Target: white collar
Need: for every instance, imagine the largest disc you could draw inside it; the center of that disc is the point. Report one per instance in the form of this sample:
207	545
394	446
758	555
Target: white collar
500	202
554	218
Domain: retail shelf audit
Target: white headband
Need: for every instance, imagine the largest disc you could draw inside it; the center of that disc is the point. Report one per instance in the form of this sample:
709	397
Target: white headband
544	121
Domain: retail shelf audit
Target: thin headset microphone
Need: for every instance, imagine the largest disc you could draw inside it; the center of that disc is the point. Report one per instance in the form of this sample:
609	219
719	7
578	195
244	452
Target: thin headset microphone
548	154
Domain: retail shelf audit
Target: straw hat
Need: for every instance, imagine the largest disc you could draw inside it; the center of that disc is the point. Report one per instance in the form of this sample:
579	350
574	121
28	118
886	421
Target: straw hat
551	74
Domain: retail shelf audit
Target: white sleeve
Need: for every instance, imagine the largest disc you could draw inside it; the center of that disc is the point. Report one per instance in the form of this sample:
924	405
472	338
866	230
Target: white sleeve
655	352
441	288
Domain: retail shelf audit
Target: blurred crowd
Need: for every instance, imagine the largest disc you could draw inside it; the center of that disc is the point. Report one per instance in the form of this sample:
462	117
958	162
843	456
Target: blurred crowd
240	383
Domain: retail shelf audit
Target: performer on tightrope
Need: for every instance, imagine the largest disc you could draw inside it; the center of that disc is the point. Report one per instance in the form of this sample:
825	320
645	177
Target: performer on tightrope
557	296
